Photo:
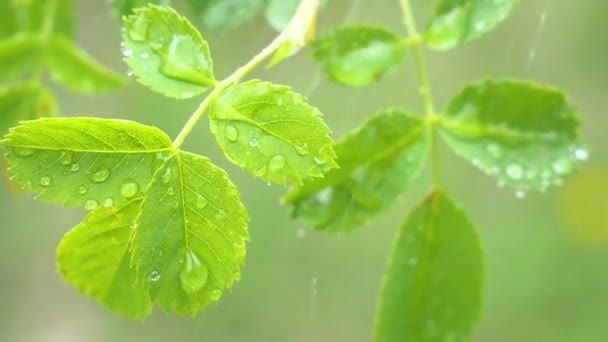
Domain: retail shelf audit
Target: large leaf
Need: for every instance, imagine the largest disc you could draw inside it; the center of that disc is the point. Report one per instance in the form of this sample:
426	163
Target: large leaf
77	71
84	162
19	55
190	240
458	21
433	282
377	162
95	258
524	134
357	55
272	132
33	15
167	53
224	14
24	102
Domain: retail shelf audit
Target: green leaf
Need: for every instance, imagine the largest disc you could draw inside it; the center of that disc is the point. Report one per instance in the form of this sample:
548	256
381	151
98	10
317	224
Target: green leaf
220	15
126	7
190	240
280	12
24	102
19	55
167	53
458	21
32	16
432	286
77	71
272	132
95	258
522	133
357	55
377	163
84	162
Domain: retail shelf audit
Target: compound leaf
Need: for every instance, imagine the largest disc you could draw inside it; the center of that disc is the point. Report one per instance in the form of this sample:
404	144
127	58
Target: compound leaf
167	53
77	71
220	15
19	54
31	16
458	21
126	7
522	133
84	162
377	162
95	258
191	233
24	102
433	281
272	132
357	55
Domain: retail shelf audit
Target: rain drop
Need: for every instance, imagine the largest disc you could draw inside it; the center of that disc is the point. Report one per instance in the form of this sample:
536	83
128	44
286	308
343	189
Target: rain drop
254	142
201	201
23	151
45	181
133	224
276	163
127	53
154	276
101	175
129	188
514	171
325	195
194	274
561	166
91	205
75	167
66	158
108	202
144	55
232	134
302	149
167	177
581	154
82	190
171	191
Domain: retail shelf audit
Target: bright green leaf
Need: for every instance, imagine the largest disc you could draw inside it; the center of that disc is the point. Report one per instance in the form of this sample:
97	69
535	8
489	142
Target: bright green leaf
357	55
377	162
77	71
280	12
84	162
458	21
95	258
24	102
522	133
433	282
33	15
167	53
220	15
19	55
272	132
126	7
190	238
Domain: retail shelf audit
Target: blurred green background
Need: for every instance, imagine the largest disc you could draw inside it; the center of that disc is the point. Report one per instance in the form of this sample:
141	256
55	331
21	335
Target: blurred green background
547	254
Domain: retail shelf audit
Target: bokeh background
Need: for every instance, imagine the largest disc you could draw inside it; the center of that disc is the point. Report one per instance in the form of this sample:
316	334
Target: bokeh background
547	254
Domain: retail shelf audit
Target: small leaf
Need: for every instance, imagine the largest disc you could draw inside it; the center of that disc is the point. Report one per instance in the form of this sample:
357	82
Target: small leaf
272	132
77	71
190	240
84	162
280	12
95	258
357	55
126	7
24	102
458	21
522	133
433	281
167	53
19	55
377	163
220	15
31	16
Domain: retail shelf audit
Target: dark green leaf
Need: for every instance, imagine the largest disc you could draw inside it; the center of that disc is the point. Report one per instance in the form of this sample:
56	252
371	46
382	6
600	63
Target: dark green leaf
458	21
24	102
20	55
357	55
272	132
524	134
433	282
224	14
167	53
377	163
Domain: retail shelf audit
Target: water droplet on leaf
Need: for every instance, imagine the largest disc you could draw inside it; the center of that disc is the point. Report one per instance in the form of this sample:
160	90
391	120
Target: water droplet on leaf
581	154
129	188
144	55
108	202
82	189
45	181
232	134
254	142
276	163
154	276
75	167
127	53
91	205
66	158
514	171
194	274
201	201
101	175
23	151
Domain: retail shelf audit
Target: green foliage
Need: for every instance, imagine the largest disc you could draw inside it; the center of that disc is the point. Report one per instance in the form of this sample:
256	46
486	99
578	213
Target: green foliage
24	102
357	55
377	162
33	15
126	7
167	53
220	15
279	13
19	54
524	134
433	282
272	132
458	21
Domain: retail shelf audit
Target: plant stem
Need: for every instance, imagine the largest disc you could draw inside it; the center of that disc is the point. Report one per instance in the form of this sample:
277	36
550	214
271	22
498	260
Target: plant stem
49	20
425	87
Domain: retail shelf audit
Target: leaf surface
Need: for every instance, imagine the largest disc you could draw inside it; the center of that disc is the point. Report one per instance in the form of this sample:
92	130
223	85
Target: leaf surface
191	234
84	162
220	15
522	133
19	55
433	281
377	163
31	15
270	131
95	258
24	102
357	55
167	53
458	21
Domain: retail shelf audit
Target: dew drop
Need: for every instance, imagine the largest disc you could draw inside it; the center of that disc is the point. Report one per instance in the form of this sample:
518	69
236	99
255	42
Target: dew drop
108	202
75	167
276	163
23	151
45	181
581	154
82	190
167	177
144	55
66	158
514	171
101	175
302	149
91	205
215	295
254	142
129	188
133	224
325	195
171	191
232	134
154	276
194	274
127	53
561	166
201	201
